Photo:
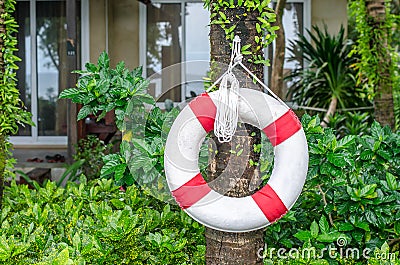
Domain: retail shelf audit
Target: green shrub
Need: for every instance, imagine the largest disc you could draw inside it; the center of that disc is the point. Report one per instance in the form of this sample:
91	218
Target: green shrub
92	150
352	192
95	223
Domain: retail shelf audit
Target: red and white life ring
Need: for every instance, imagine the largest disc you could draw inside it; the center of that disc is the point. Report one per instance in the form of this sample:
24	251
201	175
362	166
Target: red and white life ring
224	213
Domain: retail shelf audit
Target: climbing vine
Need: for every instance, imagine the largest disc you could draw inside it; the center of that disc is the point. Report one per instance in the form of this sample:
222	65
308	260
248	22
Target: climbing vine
12	112
378	63
264	23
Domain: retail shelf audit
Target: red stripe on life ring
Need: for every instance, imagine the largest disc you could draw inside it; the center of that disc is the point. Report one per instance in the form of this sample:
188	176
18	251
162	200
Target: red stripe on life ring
269	203
191	192
205	110
283	128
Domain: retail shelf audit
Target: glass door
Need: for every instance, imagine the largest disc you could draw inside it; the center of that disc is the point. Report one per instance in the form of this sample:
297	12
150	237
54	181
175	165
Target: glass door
42	73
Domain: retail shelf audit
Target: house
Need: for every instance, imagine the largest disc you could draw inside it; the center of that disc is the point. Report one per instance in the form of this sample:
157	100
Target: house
58	36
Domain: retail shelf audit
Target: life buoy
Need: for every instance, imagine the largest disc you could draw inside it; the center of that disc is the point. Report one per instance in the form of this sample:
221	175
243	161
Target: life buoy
224	213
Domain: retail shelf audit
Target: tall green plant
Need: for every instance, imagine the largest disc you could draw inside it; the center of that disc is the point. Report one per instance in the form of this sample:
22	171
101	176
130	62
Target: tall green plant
101	89
377	67
327	79
12	111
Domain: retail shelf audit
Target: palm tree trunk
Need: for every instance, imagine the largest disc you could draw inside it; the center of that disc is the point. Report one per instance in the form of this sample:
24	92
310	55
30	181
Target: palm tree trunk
383	101
239	178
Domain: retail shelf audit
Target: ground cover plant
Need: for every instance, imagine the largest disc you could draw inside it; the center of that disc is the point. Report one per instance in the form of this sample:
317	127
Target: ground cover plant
352	194
95	223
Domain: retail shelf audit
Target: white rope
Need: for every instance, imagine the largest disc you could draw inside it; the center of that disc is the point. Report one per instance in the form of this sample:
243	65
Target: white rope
226	118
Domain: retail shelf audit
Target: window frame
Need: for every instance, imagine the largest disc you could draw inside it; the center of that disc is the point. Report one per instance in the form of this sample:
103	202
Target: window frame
307	25
143	35
34	139
143	39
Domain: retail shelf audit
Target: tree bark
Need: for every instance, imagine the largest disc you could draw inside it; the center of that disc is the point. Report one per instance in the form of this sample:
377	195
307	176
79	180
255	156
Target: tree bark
279	53
238	178
383	101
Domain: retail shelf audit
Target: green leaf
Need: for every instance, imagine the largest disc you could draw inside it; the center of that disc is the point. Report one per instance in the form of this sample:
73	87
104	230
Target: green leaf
246	47
91	67
118	203
104	60
119	171
303	235
323	225
376	130
363	225
76	241
84	112
366	155
329	238
391	181
258	28
69	93
369	191
346	141
146	98
314	229
371	217
62	258
68	204
5	251
111	165
142	146
345	227
397	228
222	15
337	159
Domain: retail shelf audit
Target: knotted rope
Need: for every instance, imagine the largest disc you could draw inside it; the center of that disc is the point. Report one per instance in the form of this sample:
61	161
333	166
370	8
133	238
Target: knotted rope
226	118
228	99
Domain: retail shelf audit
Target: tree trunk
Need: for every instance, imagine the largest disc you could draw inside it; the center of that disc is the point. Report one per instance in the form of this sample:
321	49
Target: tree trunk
239	178
331	111
383	101
279	54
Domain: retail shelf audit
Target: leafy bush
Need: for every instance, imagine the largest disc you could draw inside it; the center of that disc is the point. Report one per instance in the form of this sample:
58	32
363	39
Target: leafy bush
351	123
101	89
352	191
92	150
95	223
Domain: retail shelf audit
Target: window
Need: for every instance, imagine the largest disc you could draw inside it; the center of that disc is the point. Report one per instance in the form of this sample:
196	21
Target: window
175	32
168	38
296	18
42	71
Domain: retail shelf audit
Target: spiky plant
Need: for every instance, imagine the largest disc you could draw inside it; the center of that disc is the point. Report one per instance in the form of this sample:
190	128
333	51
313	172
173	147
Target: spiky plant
327	79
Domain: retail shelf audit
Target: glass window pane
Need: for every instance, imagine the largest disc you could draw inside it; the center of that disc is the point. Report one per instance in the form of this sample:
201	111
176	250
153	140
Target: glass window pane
163	46
51	67
197	48
24	52
293	23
